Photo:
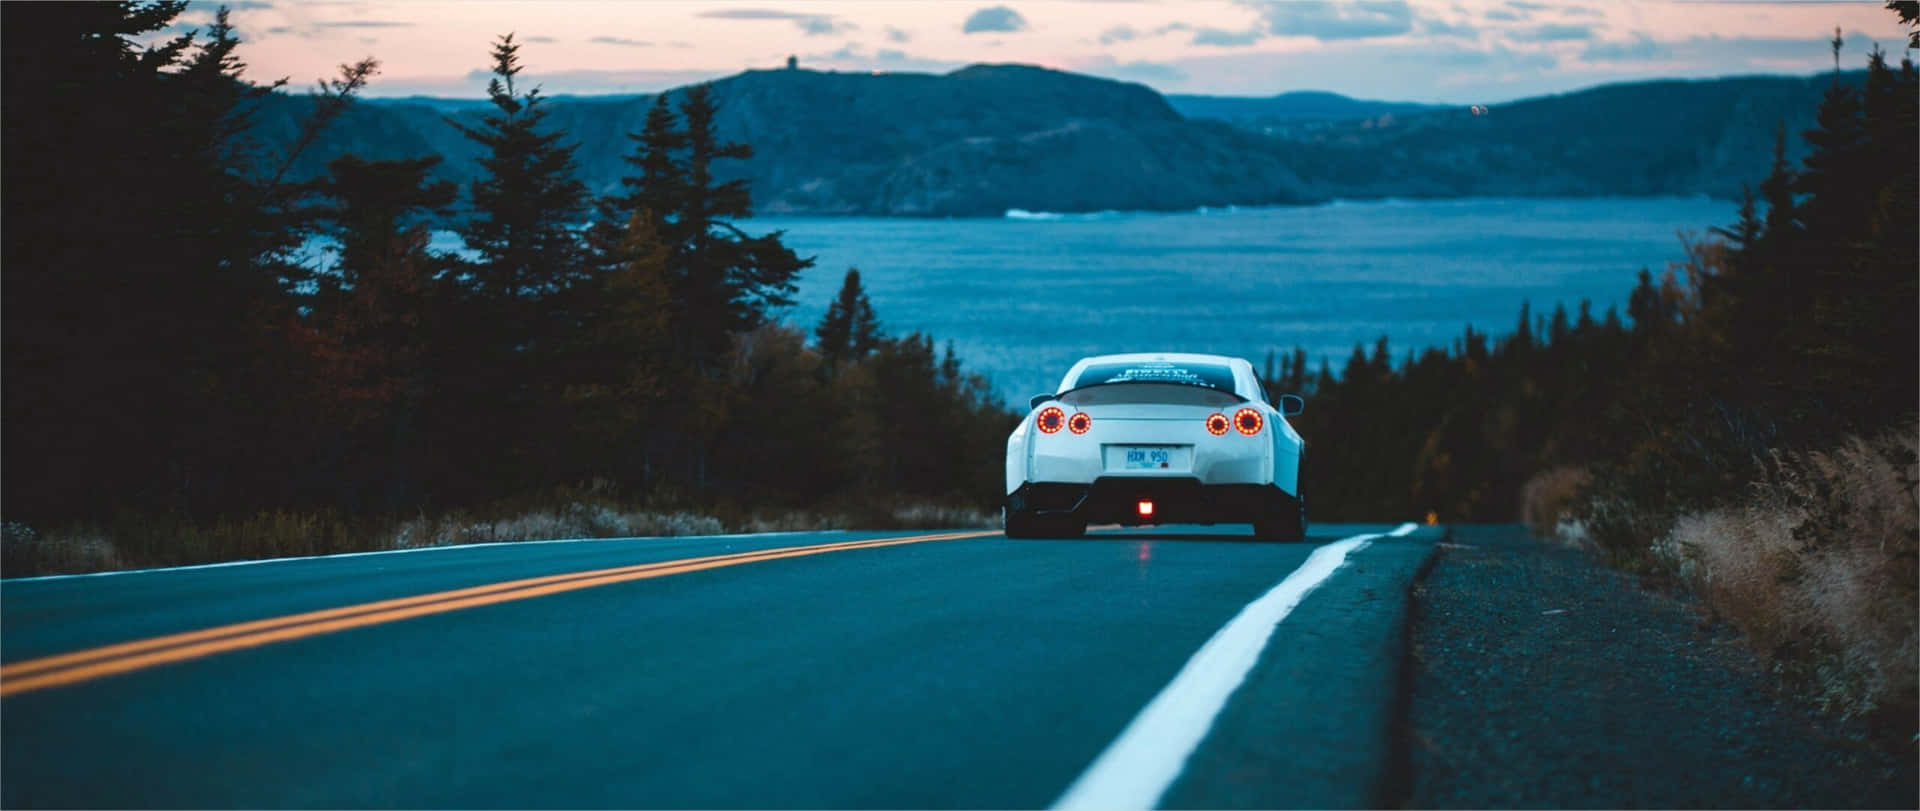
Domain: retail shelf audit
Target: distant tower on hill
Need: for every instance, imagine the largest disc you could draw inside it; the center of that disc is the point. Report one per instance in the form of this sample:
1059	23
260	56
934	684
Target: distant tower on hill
793	63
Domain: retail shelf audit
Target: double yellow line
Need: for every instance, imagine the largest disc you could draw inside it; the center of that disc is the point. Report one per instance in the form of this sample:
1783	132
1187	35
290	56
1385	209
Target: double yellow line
110	660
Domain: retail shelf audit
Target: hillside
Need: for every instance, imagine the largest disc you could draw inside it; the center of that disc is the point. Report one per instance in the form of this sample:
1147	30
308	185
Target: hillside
1263	112
987	138
1669	137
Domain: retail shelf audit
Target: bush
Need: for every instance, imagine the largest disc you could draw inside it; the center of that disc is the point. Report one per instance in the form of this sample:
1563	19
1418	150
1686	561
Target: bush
24	552
1548	499
1818	568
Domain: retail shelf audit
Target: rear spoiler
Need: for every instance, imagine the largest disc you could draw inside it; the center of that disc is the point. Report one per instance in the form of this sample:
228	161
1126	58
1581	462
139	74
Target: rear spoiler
1041	398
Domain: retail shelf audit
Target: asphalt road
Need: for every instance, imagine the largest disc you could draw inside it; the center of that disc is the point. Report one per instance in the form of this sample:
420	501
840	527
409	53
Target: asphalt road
720	672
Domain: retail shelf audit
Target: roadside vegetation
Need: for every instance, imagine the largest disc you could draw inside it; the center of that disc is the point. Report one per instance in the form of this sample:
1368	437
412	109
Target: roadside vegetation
1747	432
184	384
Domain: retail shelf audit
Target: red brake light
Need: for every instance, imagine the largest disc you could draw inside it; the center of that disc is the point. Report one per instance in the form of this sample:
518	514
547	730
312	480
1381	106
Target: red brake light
1050	419
1217	424
1248	421
1079	422
1145	507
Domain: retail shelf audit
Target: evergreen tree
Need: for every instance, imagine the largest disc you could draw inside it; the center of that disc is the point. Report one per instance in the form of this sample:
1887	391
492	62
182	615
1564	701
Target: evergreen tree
618	378
849	330
726	279
133	191
372	321
512	316
661	177
527	204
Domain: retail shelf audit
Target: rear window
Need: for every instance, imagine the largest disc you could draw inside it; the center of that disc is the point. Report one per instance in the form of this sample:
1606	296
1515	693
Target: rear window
1206	375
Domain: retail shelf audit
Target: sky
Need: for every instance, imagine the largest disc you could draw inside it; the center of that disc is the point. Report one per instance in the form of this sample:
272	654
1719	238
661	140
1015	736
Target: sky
1445	52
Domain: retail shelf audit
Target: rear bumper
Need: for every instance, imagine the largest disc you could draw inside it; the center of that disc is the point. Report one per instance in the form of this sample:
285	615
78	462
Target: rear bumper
1115	500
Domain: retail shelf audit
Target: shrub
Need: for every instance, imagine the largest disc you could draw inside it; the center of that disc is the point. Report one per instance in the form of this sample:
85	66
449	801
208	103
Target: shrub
1549	497
1818	568
25	552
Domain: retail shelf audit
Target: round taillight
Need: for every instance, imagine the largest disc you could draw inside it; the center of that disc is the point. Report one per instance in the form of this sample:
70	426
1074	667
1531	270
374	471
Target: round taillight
1050	419
1248	421
1079	422
1217	424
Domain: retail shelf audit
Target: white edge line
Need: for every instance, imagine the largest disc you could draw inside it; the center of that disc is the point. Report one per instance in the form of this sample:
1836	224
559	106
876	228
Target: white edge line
1142	763
424	549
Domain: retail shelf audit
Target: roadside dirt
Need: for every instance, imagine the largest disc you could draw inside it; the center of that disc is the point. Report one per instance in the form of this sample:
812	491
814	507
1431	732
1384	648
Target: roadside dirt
1540	678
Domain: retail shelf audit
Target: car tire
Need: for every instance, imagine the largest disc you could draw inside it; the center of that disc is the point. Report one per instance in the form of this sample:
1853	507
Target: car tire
1023	524
1288	523
1018	524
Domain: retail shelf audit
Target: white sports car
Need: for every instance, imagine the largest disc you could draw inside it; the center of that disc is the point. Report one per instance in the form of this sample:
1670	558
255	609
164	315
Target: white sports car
1156	438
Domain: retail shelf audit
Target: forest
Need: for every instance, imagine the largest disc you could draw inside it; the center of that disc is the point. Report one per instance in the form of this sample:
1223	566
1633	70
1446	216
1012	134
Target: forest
174	365
1744	435
183	382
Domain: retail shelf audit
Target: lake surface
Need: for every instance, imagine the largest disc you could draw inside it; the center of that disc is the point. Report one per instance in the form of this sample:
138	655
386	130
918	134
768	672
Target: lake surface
1023	297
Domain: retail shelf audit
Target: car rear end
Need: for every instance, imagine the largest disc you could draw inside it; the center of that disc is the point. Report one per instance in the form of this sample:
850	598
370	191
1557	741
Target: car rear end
1137	453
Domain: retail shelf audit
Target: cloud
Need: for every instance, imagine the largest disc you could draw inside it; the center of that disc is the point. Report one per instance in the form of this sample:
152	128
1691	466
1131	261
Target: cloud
994	19
852	56
1505	16
1140	71
1227	39
363	24
846	52
1170	28
577	82
1118	33
1441	28
1327	21
1496	59
813	25
1553	32
246	5
622	41
897	35
541	39
1639	49
326	29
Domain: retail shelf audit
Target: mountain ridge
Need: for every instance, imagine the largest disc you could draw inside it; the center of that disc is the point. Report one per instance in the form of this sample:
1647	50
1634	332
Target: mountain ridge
988	138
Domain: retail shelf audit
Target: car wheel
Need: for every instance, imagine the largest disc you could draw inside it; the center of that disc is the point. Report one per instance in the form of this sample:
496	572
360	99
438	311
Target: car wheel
1018	524
1022	524
1066	528
1288	523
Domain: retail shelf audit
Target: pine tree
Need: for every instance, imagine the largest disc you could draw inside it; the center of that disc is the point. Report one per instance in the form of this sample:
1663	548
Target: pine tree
726	280
528	202
512	317
618	373
134	191
655	189
848	331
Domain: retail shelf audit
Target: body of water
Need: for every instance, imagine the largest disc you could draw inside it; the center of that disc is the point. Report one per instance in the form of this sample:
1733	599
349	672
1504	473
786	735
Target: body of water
1022	298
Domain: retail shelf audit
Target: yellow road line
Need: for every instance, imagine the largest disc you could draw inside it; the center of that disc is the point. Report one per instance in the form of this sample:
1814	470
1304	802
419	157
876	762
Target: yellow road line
79	666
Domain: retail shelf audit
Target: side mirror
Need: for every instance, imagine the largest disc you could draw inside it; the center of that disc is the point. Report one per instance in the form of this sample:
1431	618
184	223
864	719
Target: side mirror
1036	400
1291	404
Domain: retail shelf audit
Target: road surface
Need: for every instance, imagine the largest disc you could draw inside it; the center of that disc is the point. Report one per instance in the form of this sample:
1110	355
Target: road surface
1170	666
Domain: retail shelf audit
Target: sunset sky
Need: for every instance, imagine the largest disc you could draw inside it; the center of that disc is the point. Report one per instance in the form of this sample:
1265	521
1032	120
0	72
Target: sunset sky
1469	51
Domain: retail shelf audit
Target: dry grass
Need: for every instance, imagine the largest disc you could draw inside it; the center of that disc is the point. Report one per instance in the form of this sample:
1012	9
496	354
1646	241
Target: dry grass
22	550
135	542
1818	568
1547	501
575	520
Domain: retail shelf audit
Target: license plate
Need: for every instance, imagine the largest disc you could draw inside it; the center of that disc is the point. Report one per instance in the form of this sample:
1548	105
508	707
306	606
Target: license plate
1147	458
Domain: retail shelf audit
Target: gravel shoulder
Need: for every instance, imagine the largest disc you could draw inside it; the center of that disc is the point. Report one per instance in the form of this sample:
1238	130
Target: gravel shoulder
1540	678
